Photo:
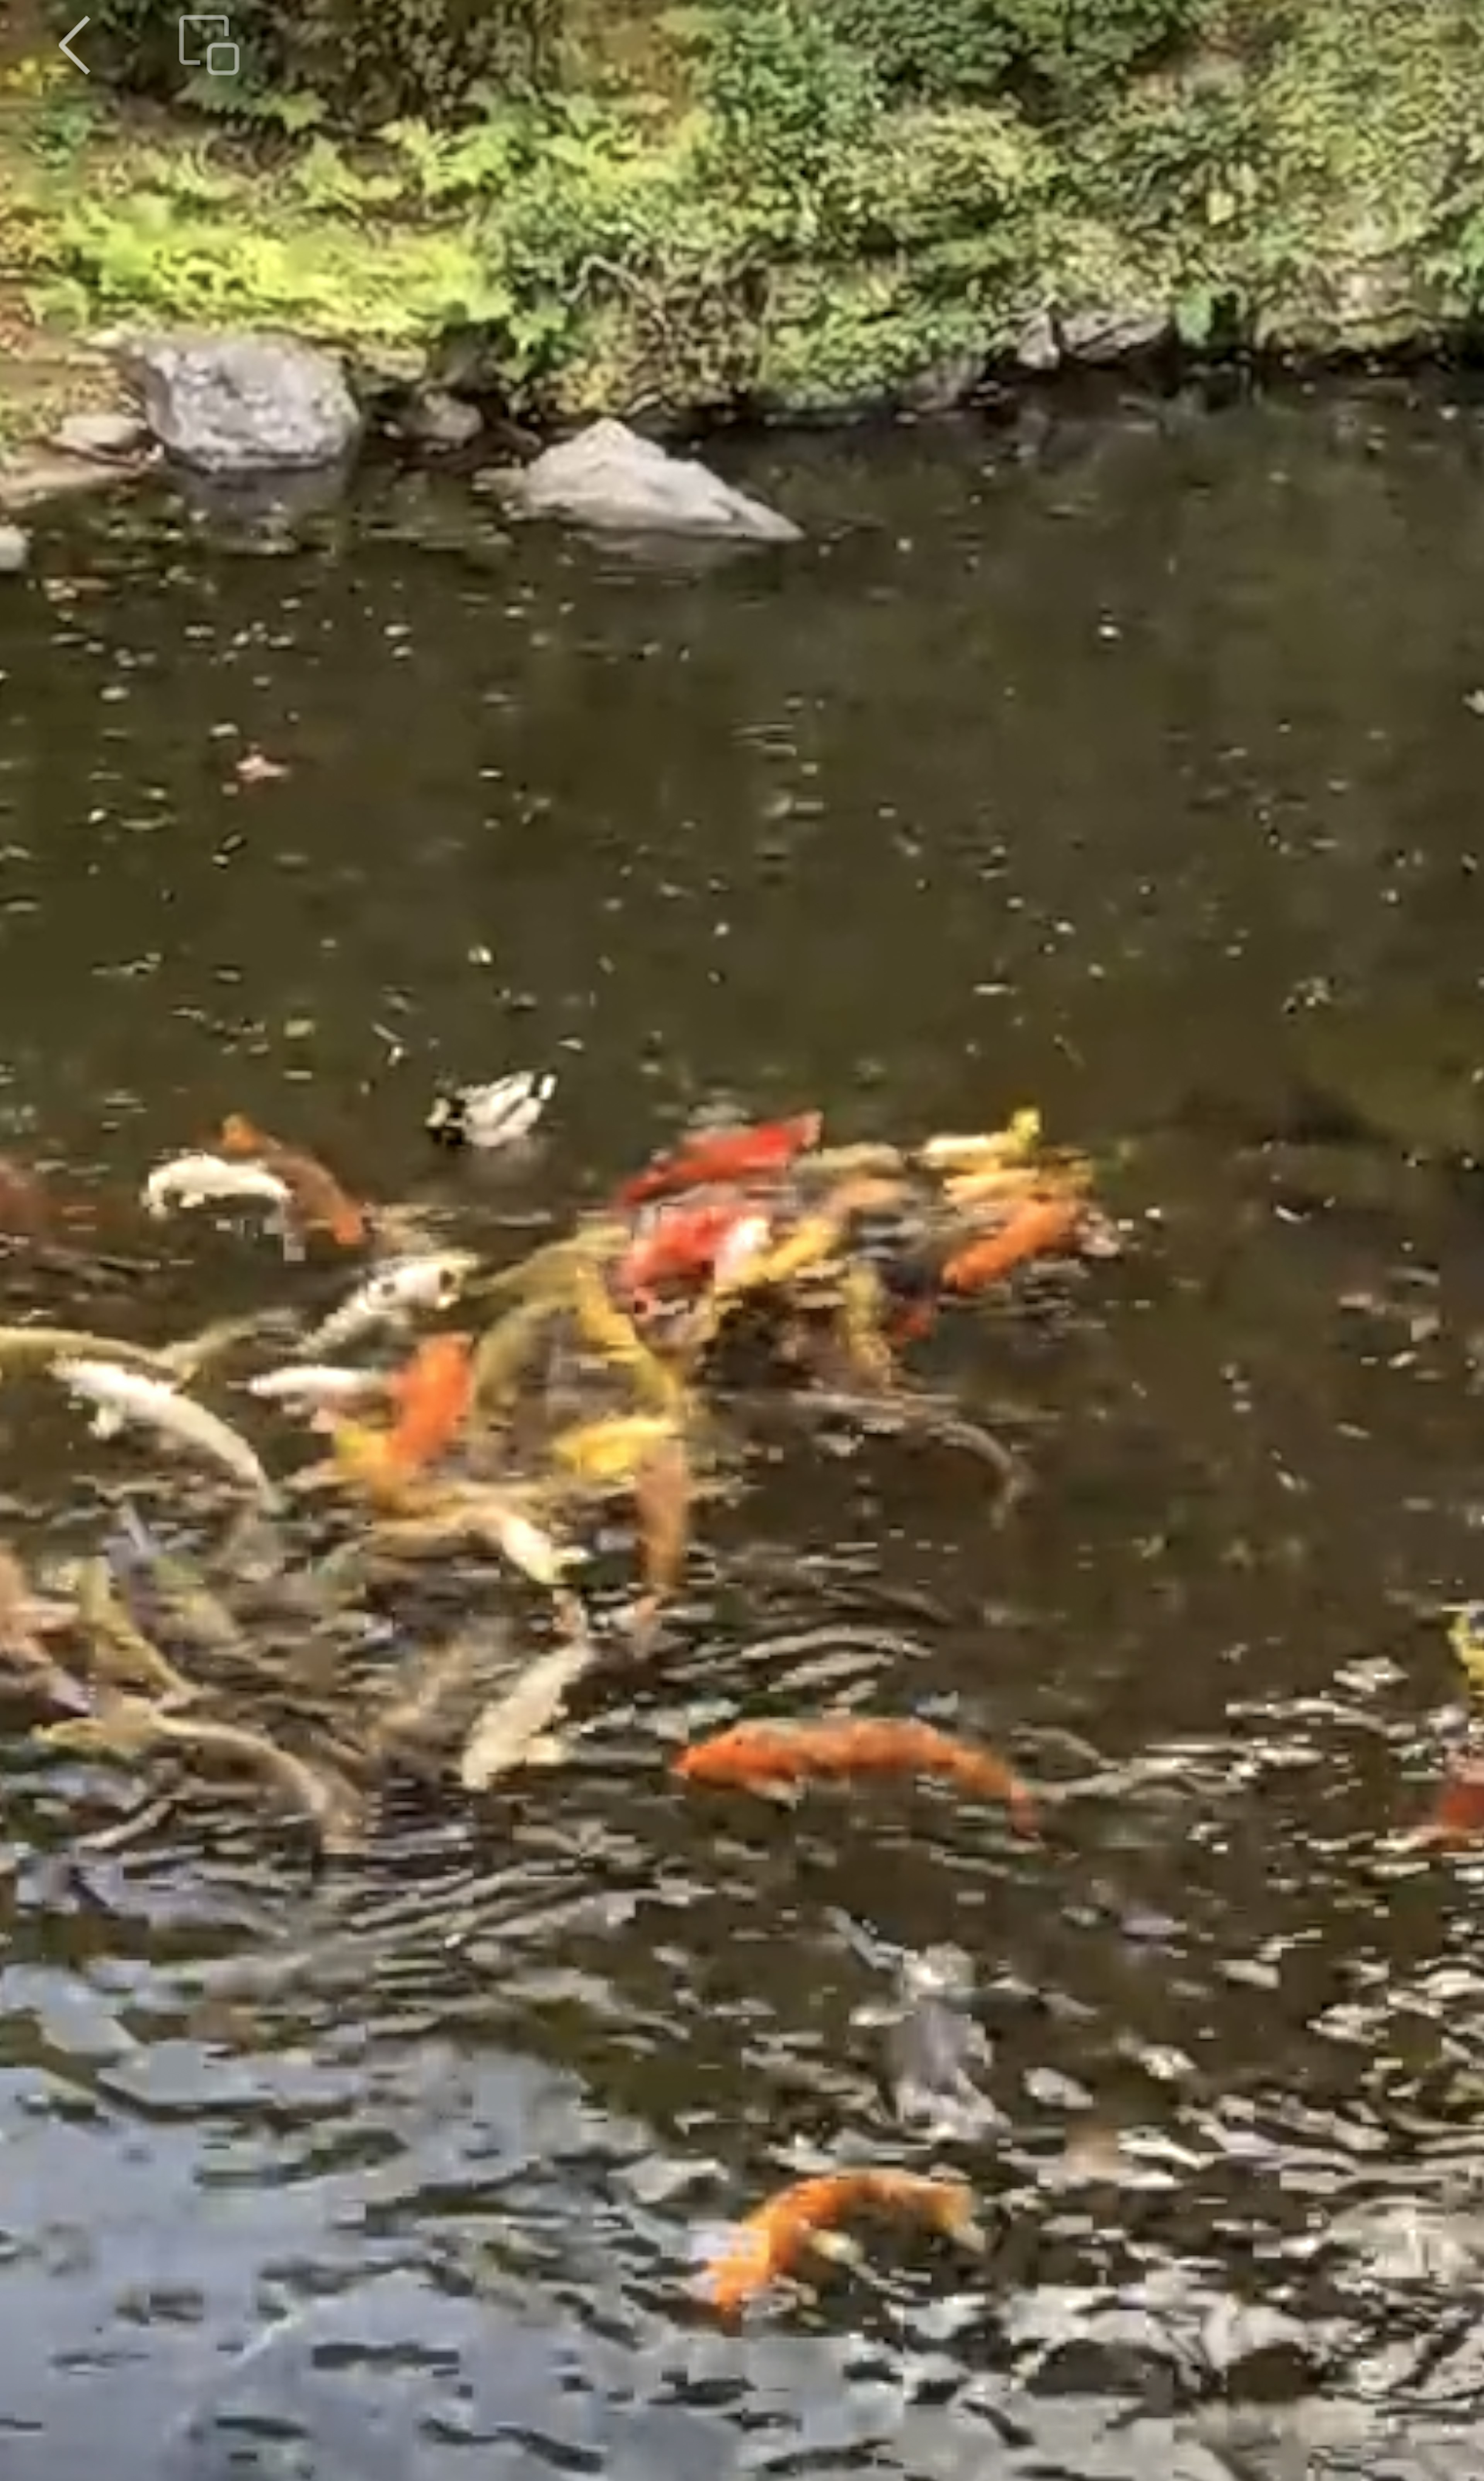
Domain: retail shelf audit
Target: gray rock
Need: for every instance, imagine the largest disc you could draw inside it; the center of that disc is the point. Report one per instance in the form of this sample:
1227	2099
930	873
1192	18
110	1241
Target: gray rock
438	420
609	477
101	434
1112	331
15	550
242	404
1035	347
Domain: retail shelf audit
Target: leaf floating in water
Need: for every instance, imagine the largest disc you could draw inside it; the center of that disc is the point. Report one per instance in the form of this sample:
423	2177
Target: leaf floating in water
253	768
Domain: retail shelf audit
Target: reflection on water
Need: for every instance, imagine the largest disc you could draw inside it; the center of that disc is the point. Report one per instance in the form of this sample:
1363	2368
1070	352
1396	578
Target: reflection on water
1140	777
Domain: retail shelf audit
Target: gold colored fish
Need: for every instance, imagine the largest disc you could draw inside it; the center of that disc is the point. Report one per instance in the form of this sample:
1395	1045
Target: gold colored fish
1466	1636
505	1351
613	1450
131	1726
606	1327
122	1648
1014	1143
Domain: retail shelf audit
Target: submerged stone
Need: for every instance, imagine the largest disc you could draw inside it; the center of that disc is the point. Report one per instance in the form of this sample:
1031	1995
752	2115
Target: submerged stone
15	550
242	404
610	477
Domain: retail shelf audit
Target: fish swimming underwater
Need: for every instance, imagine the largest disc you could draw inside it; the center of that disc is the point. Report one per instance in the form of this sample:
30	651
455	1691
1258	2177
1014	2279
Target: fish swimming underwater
210	1179
122	1395
318	1386
394	1295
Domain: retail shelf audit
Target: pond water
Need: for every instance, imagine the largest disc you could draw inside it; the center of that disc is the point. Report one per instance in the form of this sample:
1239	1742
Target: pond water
1125	763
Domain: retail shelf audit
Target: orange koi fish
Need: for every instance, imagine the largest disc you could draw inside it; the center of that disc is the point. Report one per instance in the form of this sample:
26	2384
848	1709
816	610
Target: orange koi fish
433	1392
725	1155
761	1757
1034	1230
1457	1814
772	2240
320	1203
681	1246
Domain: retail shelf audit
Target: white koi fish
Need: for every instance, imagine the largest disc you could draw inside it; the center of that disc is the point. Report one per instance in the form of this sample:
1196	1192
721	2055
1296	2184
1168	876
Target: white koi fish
210	1179
394	1295
317	1386
122	1395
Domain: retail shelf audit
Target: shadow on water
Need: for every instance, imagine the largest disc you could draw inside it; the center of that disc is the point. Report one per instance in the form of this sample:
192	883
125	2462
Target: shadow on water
1138	777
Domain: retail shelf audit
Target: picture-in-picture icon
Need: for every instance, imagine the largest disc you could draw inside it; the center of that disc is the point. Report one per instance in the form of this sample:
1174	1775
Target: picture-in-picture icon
221	59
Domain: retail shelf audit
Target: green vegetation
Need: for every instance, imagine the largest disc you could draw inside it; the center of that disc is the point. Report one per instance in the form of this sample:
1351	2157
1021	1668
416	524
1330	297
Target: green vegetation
763	202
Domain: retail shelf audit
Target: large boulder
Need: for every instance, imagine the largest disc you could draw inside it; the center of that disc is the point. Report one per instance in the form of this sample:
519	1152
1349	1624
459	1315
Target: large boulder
610	478
242	404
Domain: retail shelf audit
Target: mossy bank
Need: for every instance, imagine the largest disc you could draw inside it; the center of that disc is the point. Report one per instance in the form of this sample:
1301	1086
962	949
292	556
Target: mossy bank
734	211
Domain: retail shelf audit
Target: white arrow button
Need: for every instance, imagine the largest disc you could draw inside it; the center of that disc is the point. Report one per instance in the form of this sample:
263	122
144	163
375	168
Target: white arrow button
65	45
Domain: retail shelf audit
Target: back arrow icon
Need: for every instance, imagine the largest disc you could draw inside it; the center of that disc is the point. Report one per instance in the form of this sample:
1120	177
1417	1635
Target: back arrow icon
68	41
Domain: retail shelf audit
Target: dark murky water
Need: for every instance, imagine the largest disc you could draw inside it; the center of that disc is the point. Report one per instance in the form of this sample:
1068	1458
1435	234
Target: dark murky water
1136	776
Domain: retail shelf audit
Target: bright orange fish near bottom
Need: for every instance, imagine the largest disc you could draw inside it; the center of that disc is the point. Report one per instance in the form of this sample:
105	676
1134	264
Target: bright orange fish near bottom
760	1757
772	2240
1457	1814
433	1392
1041	1225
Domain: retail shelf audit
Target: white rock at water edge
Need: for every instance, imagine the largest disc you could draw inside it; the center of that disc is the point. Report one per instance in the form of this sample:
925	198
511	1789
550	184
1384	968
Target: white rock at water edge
242	404
101	434
610	477
15	550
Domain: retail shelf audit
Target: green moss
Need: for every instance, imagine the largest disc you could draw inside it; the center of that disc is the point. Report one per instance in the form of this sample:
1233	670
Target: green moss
775	228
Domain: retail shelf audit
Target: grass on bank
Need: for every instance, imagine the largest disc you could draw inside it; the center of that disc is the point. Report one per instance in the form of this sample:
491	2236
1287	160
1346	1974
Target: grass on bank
786	244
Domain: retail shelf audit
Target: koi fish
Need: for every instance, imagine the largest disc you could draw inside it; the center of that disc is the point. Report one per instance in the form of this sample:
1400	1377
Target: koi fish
769	1757
129	1726
209	1180
1042	1225
319	1200
1465	1638
725	1155
395	1294
127	1395
1457	1816
773	2239
682	1246
515	1729
432	1394
610	1451
1014	1143
317	1386
487	1117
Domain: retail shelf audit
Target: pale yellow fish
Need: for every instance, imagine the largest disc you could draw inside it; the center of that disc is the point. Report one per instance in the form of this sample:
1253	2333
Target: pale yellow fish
121	1395
1466	1636
514	1730
129	1726
610	1451
1012	1144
